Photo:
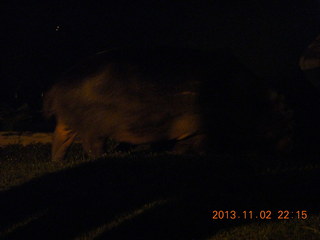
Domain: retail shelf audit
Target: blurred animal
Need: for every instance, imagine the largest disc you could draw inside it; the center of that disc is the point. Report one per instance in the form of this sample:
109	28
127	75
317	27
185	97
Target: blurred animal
201	101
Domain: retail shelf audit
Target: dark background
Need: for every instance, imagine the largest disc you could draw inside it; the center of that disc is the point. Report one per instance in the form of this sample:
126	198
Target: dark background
267	36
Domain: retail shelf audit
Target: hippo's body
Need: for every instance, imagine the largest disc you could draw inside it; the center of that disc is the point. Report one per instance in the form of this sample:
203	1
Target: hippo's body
146	95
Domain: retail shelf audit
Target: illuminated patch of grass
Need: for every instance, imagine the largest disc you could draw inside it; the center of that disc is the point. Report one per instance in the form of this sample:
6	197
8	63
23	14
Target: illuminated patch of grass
284	230
22	224
118	220
19	164
131	174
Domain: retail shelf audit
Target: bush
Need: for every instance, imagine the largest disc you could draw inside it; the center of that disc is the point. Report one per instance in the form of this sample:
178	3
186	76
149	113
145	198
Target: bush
15	118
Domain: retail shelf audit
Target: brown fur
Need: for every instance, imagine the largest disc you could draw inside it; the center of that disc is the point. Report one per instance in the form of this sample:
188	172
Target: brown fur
148	95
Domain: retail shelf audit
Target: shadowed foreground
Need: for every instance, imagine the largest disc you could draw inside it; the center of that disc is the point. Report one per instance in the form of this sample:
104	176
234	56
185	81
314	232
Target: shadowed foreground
149	197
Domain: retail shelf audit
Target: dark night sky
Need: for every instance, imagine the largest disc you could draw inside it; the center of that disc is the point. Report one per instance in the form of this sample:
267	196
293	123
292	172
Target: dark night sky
267	36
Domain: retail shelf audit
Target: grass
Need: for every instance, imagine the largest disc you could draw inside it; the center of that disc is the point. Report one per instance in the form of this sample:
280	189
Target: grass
20	164
138	194
292	229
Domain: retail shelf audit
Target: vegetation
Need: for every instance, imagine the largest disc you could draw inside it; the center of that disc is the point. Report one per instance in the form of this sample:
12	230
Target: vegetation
15	118
138	194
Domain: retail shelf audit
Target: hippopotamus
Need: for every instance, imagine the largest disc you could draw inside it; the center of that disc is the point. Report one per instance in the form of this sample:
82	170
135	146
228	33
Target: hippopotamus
200	101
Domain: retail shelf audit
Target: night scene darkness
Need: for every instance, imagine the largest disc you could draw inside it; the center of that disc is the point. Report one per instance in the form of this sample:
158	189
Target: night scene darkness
160	119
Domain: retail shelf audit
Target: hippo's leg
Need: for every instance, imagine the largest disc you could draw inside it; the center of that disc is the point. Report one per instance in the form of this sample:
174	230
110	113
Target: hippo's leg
62	139
93	146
